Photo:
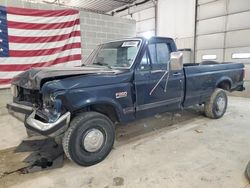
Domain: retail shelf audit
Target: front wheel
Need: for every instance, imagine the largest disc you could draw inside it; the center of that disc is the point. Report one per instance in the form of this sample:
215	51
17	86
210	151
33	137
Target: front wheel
89	138
216	106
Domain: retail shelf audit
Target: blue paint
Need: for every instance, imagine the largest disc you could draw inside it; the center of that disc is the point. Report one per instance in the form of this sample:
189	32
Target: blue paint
4	42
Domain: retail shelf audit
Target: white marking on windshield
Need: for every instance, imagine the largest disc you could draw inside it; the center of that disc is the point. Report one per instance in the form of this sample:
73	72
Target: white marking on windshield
130	44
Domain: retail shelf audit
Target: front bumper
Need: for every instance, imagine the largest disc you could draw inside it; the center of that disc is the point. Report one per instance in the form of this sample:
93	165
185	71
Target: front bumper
28	116
19	111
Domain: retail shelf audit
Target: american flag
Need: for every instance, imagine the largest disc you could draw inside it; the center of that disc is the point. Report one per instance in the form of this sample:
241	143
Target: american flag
37	38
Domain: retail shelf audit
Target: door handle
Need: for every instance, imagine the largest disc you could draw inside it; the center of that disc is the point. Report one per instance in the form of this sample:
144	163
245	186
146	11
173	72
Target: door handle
176	74
158	71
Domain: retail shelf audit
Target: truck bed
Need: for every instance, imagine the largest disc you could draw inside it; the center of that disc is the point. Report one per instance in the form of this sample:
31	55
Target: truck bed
201	79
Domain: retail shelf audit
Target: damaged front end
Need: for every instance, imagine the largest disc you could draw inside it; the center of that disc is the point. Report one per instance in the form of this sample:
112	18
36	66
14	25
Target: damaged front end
40	110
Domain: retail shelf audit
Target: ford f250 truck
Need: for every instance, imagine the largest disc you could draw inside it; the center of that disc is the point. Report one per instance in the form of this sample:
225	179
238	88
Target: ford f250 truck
120	81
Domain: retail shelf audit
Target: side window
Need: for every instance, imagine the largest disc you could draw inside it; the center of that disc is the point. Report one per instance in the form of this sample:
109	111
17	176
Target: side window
144	64
160	55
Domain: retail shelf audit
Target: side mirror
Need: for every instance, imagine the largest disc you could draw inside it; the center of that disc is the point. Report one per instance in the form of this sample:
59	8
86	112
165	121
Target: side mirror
176	61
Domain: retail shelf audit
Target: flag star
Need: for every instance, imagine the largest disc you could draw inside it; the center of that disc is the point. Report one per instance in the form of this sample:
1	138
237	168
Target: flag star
1	40
0	30
1	49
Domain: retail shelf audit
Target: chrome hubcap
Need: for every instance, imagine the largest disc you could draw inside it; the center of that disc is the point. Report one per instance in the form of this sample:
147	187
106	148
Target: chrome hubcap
93	140
221	104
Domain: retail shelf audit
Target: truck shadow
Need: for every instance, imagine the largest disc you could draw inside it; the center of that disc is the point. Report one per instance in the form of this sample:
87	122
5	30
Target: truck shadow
146	127
11	162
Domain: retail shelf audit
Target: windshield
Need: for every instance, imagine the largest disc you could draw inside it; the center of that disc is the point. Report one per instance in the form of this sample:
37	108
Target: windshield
119	54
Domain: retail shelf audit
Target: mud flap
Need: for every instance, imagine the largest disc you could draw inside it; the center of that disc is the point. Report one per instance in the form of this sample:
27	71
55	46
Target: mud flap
46	154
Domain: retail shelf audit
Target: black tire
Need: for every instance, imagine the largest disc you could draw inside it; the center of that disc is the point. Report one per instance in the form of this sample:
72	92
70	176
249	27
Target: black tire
80	127
212	108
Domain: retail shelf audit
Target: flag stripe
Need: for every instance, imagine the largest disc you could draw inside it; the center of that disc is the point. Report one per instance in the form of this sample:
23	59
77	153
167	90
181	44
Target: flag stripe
40	26
43	46
40	19
42	33
6	78
17	39
5	81
24	53
23	60
9	75
13	67
44	13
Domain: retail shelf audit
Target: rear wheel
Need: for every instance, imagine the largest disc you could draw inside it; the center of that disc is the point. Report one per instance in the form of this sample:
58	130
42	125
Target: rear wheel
89	138
217	105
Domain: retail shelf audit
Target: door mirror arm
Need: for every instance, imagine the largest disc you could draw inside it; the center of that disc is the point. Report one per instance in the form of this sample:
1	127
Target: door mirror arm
165	73
158	82
166	84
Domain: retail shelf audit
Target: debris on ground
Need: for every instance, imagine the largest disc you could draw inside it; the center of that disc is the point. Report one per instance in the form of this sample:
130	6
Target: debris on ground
158	116
198	131
118	181
46	154
43	154
177	115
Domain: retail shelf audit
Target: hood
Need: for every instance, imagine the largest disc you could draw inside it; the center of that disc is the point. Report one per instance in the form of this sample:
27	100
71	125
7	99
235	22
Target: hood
33	78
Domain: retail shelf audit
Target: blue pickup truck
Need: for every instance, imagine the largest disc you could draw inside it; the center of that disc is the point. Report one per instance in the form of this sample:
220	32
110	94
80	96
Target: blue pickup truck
120	81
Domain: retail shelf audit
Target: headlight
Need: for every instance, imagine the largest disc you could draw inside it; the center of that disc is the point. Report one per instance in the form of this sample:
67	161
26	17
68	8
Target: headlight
51	107
48	101
14	90
52	102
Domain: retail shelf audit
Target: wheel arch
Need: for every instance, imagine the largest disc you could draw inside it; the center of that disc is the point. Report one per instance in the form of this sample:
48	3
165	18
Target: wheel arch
107	107
224	83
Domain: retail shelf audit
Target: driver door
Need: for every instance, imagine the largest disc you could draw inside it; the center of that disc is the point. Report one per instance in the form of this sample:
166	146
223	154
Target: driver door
162	89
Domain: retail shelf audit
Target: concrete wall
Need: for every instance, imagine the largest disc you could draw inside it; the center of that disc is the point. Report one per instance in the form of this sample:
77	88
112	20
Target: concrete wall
95	29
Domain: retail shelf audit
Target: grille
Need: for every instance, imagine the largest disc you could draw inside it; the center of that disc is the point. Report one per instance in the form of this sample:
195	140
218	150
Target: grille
28	97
